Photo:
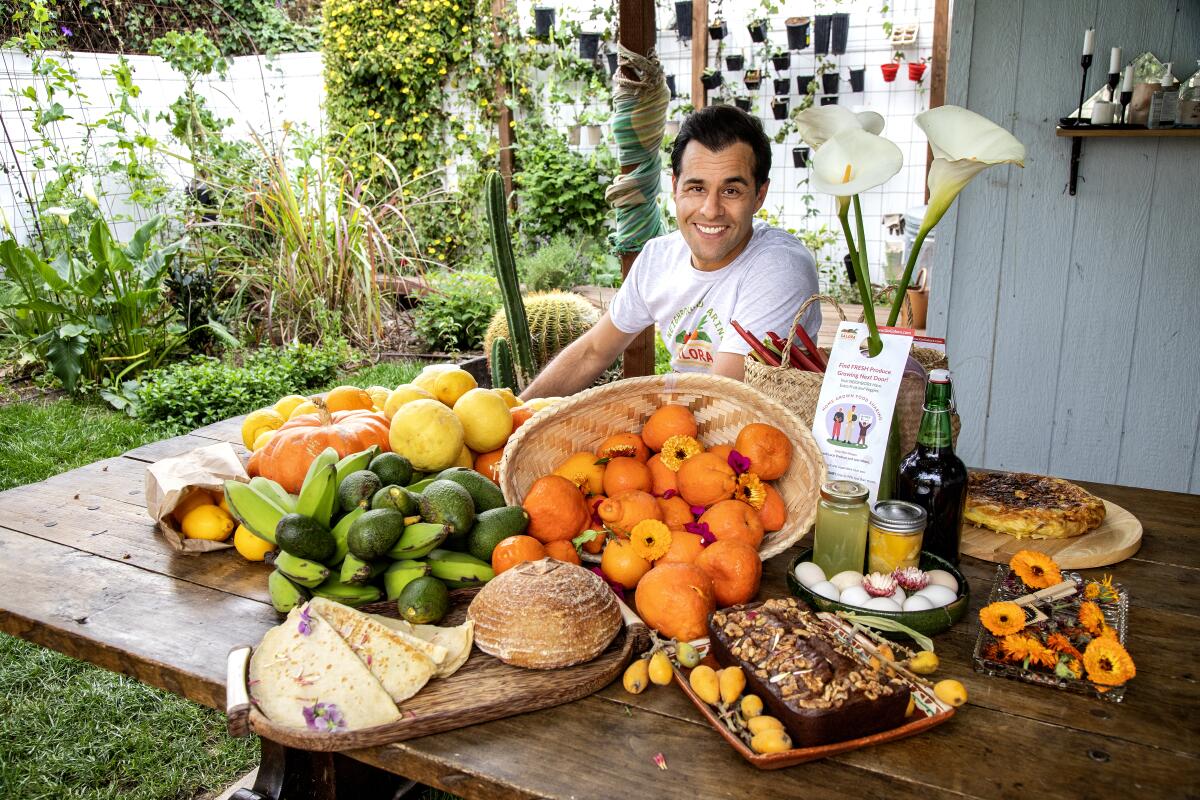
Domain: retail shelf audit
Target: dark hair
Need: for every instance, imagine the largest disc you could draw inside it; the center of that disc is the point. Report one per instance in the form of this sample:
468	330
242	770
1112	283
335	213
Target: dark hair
717	127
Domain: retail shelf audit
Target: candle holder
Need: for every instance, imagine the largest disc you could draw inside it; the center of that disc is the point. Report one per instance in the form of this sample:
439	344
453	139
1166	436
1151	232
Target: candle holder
1126	98
1114	80
1085	61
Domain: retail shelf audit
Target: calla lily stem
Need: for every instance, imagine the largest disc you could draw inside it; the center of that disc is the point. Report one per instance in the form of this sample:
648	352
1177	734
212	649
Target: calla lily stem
874	343
902	287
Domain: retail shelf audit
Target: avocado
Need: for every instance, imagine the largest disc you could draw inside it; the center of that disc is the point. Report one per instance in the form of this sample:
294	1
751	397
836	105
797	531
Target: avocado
357	488
492	527
424	601
304	537
448	503
396	497
486	494
374	533
392	468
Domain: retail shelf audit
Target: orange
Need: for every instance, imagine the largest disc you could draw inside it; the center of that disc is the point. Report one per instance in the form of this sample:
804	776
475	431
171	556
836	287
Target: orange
685	548
733	519
735	570
348	398
596	545
622	511
515	550
582	470
705	479
556	508
675	511
773	514
629	445
622	474
769	450
622	565
666	422
520	415
488	464
722	450
563	550
676	599
661	478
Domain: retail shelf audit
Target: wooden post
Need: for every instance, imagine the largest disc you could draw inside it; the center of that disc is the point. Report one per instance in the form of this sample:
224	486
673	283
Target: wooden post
699	52
938	69
636	31
506	129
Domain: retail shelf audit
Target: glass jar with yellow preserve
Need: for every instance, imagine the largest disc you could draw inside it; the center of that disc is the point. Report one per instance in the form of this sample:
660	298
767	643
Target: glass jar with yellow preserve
894	536
840	538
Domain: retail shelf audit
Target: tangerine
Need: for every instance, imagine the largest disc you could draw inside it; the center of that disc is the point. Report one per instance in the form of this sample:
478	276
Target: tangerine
596	545
675	511
767	447
675	599
662	479
521	415
722	450
624	510
668	421
684	549
556	508
348	398
621	564
582	470
623	473
773	514
515	550
735	570
629	445
488	464
733	519
705	479
563	550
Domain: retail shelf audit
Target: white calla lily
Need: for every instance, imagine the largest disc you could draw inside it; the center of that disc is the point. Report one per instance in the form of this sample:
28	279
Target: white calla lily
88	189
62	212
5	222
852	161
818	124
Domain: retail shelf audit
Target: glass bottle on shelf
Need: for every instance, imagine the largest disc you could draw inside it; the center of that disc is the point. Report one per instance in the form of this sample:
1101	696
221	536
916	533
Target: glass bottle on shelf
1187	114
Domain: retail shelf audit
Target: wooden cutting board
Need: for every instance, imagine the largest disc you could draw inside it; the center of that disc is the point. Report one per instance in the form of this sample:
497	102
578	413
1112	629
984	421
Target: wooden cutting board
1117	538
483	689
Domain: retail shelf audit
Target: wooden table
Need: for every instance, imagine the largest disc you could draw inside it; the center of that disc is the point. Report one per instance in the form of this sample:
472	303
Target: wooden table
84	573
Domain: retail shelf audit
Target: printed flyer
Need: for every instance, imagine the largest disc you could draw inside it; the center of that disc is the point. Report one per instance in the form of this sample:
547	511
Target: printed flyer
858	398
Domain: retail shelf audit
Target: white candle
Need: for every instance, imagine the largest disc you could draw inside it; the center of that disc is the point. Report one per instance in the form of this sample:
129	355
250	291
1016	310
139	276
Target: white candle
1127	84
1089	41
1114	61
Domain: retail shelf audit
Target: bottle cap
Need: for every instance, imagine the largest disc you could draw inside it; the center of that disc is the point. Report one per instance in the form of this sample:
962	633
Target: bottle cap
1167	79
898	516
844	491
939	376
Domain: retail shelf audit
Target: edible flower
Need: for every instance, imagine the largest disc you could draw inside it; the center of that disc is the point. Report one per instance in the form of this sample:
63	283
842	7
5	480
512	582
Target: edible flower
750	490
1091	618
651	539
701	530
1061	644
668	494
879	584
1002	619
324	717
678	449
1107	662
1067	668
737	462
1036	570
660	761
697	511
305	624
911	579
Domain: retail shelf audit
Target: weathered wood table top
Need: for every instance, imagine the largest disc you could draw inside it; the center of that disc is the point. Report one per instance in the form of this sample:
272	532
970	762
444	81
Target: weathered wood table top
84	573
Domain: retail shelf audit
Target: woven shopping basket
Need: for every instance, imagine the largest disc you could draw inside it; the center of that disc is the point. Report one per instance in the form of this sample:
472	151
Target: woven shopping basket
722	407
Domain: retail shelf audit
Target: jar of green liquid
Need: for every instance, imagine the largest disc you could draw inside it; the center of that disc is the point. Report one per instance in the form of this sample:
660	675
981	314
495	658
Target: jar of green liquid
840	539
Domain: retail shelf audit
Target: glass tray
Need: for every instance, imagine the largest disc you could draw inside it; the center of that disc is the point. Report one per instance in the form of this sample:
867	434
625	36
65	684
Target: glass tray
1007	586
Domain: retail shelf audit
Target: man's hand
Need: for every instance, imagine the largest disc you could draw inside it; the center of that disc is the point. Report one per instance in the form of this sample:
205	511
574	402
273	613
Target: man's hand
731	365
581	362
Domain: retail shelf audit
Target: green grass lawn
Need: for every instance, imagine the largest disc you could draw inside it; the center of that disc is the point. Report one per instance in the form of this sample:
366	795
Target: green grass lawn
71	730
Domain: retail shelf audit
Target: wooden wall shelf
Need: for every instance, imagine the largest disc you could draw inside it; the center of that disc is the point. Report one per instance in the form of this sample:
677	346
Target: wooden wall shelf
1077	135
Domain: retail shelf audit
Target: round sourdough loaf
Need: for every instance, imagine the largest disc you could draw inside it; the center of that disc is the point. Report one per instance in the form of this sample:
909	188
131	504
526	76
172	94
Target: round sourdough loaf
544	615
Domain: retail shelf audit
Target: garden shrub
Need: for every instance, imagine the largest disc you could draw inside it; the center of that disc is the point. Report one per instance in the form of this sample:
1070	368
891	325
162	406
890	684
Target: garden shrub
559	189
455	314
561	264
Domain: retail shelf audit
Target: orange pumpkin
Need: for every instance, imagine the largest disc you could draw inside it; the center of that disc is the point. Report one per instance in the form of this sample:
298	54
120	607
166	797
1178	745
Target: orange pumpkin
288	455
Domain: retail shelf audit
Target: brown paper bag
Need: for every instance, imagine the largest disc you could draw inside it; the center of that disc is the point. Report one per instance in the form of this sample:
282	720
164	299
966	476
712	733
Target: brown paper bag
170	480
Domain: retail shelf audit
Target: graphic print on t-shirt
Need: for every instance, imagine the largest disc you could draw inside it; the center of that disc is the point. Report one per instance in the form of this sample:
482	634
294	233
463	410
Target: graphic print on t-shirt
693	336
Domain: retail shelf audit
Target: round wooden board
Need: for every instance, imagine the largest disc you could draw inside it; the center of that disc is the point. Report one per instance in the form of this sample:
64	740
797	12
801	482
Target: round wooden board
1117	538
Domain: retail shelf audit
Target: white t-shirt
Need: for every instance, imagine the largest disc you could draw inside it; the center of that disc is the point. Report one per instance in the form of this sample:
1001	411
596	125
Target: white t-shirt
762	289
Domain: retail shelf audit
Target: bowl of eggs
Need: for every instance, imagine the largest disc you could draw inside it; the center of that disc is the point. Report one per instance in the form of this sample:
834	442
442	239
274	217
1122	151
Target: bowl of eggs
928	598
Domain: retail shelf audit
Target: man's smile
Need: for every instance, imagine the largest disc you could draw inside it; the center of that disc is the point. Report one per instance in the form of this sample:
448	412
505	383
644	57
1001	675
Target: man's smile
711	230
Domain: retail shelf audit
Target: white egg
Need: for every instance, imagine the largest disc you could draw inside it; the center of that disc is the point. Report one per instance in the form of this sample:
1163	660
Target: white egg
899	595
917	603
938	595
844	580
825	589
940	577
855	596
809	573
882	604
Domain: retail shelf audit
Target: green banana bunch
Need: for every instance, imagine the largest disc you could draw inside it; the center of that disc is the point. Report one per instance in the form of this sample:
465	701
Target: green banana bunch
300	571
459	570
359	572
341	533
258	512
318	493
347	593
401	574
355	461
285	595
270	489
418	540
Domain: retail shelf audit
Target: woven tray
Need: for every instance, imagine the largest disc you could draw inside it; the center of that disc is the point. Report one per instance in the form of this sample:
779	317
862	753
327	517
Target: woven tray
722	407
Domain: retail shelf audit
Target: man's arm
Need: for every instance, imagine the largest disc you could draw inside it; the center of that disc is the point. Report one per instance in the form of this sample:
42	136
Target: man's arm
731	365
581	362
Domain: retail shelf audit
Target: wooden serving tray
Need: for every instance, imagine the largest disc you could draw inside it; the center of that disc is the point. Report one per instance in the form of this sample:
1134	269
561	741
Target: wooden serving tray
1117	538
483	689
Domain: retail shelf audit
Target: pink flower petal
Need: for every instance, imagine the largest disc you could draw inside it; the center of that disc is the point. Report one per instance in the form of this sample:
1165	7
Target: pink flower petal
660	760
700	528
697	510
669	493
738	462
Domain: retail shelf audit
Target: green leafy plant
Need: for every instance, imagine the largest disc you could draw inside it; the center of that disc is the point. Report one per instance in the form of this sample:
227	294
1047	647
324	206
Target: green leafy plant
560	264
456	312
559	189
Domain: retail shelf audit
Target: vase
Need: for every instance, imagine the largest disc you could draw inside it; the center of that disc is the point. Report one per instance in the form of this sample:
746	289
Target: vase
797	32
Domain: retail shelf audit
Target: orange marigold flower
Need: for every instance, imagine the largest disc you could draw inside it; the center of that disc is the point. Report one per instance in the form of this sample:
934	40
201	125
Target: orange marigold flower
1016	646
1108	663
1091	617
1092	590
1002	618
750	490
678	449
1041	655
1036	570
651	539
1061	644
1108	633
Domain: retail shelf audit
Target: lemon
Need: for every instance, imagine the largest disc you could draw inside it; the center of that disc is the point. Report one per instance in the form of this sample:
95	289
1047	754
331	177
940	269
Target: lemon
429	375
285	405
262	440
951	692
506	394
194	498
428	434
256	422
250	546
466	458
379	395
207	522
404	393
538	403
453	384
223	504
486	420
307	407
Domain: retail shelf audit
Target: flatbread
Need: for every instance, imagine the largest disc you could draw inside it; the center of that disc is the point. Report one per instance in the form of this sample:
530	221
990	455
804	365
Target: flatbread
457	640
402	667
304	664
1026	505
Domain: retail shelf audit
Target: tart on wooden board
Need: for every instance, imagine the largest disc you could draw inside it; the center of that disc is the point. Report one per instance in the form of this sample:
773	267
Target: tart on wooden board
1025	505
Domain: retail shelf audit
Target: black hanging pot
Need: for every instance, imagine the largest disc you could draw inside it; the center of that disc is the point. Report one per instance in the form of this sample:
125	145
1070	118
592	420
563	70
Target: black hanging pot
712	80
543	21
718	30
799	156
735	63
683	19
753	79
829	100
781	62
742	101
589	46
779	107
670	85
841	32
797	32
802	82
612	63
782	85
829	82
856	79
758	30
821	27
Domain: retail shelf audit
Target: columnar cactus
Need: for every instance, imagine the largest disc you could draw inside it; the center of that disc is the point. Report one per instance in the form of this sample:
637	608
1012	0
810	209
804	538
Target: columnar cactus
510	286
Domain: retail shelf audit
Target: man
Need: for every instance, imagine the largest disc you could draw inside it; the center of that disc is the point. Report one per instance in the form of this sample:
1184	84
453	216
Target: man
721	265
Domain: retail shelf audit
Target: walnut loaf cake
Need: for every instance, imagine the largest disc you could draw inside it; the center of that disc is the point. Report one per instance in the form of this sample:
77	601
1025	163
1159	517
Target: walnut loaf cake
813	683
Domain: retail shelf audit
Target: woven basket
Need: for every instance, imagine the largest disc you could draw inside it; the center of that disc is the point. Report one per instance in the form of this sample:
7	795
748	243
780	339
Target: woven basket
722	407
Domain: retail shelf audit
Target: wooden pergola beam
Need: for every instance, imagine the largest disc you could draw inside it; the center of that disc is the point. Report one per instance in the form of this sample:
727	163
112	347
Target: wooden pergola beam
699	52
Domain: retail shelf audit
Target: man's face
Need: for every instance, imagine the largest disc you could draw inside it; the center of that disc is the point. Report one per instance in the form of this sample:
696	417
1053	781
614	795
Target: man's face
715	202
